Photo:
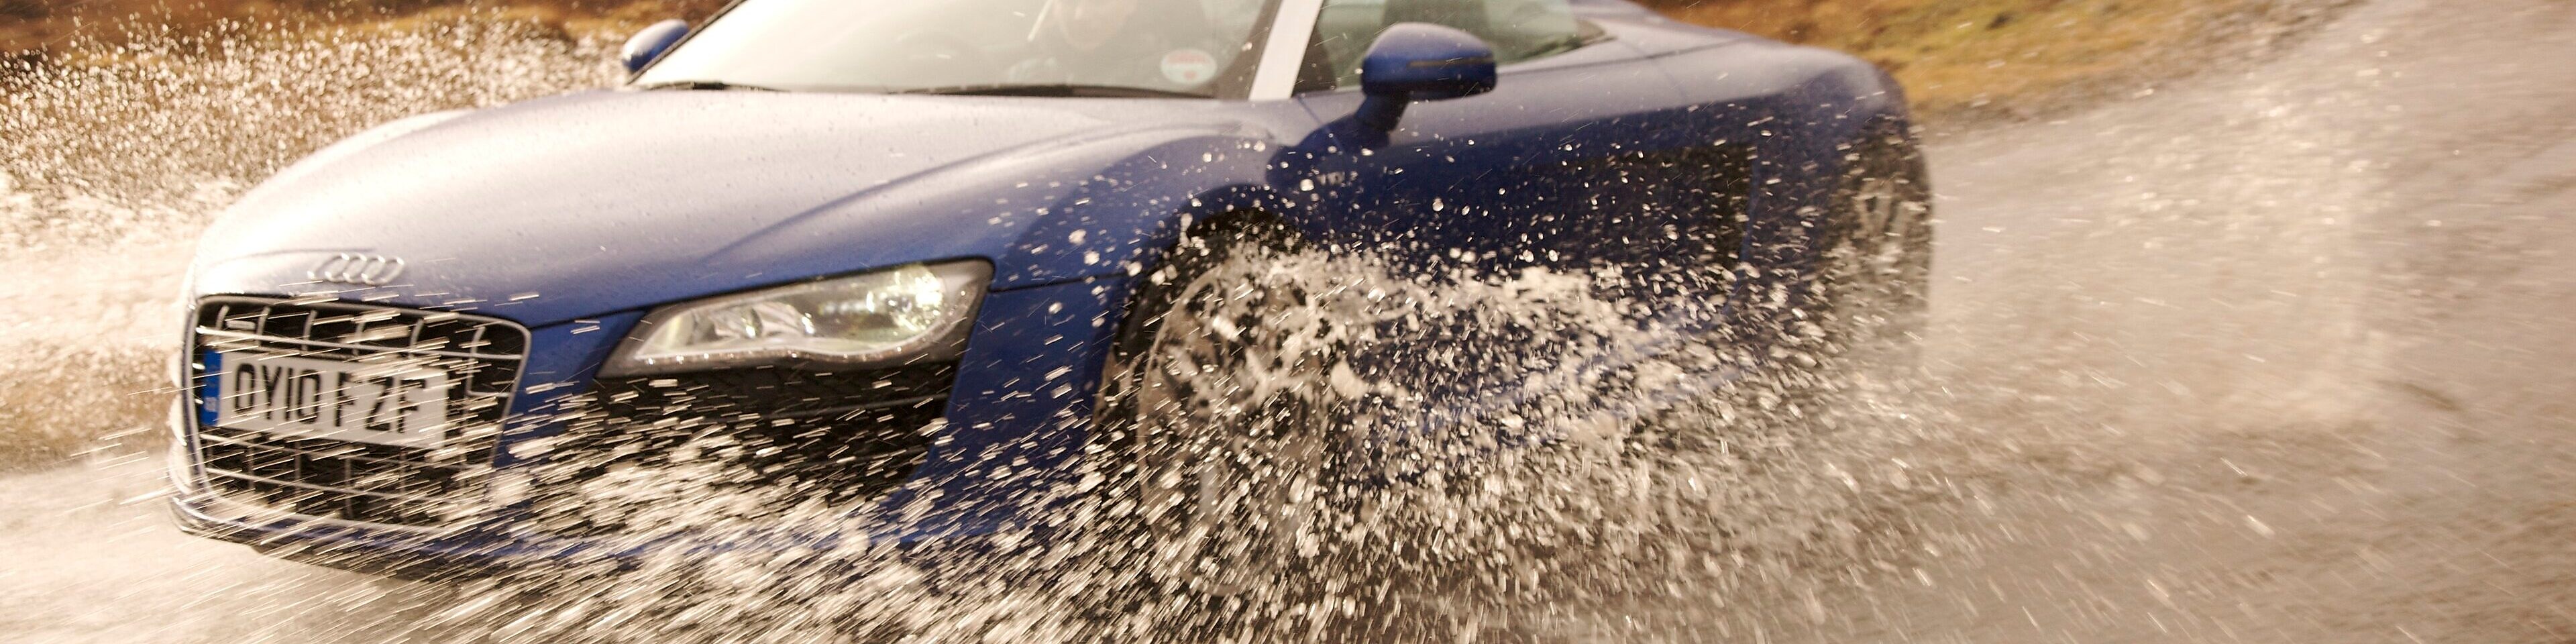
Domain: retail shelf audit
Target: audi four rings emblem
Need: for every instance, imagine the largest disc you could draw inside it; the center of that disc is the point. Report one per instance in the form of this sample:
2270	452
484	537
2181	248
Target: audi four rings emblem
362	270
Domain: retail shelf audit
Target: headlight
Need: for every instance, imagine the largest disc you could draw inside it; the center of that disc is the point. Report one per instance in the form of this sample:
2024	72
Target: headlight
909	313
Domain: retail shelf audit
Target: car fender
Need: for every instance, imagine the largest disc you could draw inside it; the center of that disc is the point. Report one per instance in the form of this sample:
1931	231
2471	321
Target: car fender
1101	205
1801	107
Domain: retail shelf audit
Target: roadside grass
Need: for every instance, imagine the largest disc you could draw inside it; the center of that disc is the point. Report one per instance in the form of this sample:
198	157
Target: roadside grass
60	403
2019	58
40	25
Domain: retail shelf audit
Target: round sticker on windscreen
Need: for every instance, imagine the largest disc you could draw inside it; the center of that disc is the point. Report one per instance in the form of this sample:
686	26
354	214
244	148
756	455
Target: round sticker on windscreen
1188	66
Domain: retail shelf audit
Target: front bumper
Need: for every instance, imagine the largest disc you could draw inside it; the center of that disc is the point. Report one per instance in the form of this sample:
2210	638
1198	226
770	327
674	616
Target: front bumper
1016	417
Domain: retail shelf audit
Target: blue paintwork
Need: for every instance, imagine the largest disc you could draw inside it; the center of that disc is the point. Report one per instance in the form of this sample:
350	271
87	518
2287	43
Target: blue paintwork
1416	62
1426	62
574	215
649	45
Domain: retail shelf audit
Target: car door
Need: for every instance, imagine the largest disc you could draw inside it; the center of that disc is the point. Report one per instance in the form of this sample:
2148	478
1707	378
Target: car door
1567	164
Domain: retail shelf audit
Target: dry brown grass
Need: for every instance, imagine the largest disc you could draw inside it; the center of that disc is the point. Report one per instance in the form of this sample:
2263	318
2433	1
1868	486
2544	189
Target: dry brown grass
34	25
2015	56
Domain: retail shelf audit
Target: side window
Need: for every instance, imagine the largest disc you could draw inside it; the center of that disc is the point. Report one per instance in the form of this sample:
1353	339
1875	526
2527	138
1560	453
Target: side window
1518	29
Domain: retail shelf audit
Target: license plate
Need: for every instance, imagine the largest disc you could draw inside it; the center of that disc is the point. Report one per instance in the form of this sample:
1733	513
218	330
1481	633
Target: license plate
399	405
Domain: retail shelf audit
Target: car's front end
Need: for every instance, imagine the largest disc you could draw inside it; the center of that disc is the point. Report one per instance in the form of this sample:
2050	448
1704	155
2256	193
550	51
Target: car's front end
400	348
525	409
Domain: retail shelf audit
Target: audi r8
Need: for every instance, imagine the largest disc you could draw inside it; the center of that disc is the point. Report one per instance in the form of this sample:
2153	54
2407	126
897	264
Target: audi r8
921	258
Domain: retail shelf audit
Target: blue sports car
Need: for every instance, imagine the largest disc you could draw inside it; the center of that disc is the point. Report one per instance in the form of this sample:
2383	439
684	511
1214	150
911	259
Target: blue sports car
924	259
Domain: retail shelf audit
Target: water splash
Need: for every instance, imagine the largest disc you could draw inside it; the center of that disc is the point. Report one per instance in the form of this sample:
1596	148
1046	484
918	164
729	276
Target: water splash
1537	448
145	142
1416	522
112	160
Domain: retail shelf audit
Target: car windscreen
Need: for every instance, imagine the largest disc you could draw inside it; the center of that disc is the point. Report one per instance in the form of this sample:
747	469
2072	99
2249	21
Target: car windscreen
1018	47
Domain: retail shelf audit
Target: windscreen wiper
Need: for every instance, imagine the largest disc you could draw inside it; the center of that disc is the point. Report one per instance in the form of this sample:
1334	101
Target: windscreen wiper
707	85
1059	89
1561	45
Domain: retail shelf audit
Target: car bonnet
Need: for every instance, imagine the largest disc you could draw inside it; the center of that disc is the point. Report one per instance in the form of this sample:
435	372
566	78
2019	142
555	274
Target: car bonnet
593	203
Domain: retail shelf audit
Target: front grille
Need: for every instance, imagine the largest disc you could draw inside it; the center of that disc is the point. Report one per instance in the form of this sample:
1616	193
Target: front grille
835	437
325	478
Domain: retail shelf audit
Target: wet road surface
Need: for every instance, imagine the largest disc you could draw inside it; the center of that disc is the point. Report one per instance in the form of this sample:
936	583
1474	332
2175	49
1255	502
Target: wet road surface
2280	354
2272	356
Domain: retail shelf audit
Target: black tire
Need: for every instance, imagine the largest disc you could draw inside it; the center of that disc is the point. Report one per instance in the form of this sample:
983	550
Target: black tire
1215	479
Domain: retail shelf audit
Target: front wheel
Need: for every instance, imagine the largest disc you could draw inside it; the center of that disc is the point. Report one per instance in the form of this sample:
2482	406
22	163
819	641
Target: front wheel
1215	419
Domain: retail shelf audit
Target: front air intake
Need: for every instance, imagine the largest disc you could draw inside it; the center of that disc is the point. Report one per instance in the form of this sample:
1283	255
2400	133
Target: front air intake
340	412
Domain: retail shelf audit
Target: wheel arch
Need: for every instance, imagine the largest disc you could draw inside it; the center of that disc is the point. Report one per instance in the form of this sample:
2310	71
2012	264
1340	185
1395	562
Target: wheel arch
1210	216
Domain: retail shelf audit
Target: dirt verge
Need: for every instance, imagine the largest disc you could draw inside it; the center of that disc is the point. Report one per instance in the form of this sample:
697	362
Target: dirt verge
1976	60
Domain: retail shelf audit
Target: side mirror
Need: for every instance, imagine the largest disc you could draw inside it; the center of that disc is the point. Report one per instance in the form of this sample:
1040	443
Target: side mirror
649	45
1416	61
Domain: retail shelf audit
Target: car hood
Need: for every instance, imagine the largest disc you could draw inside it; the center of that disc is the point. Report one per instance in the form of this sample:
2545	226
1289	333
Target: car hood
592	203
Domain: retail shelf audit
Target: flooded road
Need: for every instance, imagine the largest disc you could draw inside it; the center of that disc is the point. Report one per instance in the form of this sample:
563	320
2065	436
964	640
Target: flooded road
2325	311
2276	354
2271	356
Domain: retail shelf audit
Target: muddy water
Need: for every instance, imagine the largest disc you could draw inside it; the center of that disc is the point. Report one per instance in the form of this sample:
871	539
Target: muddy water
107	172
106	175
2269	356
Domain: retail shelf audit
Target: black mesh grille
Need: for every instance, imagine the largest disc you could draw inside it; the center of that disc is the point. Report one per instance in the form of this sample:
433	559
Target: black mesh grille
345	480
839	437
